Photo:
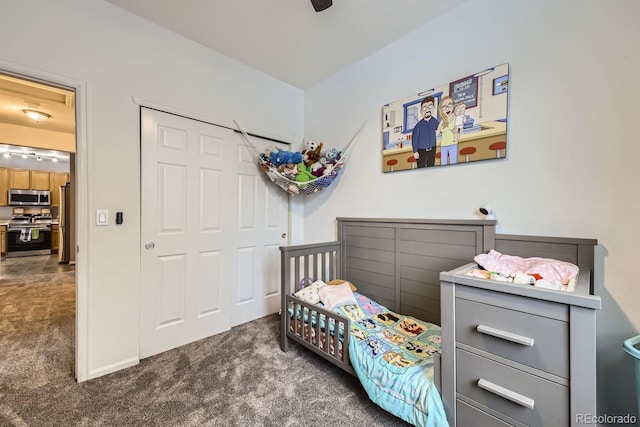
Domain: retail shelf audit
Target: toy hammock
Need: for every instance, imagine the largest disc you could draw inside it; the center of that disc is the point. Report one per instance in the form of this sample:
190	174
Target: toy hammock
304	172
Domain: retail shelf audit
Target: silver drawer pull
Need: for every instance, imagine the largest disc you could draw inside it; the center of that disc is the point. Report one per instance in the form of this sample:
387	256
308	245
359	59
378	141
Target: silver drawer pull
509	336
518	398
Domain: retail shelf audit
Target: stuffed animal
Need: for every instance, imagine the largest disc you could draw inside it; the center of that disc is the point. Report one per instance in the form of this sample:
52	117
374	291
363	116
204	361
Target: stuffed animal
309	146
282	157
333	155
311	156
317	169
329	175
288	170
304	173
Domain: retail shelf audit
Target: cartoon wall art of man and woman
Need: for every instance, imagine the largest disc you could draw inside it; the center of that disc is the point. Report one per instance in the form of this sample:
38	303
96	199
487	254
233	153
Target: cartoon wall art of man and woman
462	121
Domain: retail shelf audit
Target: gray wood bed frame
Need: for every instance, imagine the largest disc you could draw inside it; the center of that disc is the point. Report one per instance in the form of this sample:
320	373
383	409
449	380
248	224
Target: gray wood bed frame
396	262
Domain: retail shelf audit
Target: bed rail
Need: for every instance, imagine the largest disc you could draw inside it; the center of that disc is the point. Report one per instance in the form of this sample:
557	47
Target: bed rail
301	265
322	331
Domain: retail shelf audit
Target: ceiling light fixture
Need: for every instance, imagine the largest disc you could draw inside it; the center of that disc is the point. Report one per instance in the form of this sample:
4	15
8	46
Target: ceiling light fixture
36	115
28	154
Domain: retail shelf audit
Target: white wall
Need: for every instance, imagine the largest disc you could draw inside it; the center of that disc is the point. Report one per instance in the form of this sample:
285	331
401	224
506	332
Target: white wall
573	152
118	56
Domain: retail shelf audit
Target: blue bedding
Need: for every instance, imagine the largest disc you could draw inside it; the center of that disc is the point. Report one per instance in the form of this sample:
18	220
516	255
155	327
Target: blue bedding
392	355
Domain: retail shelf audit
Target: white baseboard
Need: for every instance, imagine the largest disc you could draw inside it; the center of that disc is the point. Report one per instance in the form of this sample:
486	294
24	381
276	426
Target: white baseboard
95	373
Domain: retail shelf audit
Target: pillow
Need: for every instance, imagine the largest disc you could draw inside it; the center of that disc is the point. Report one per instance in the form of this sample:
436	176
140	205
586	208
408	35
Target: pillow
336	295
310	292
339	281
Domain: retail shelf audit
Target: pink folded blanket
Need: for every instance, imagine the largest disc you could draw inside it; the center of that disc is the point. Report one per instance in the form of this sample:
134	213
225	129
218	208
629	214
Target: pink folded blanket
509	265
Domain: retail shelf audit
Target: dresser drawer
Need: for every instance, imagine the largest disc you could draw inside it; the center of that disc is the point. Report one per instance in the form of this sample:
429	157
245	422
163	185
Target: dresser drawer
521	396
467	415
532	340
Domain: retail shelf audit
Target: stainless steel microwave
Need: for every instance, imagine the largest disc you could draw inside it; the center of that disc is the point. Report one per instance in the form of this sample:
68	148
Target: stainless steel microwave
29	198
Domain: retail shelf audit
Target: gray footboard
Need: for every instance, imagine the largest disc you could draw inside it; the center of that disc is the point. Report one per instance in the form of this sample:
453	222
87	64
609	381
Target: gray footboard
322	331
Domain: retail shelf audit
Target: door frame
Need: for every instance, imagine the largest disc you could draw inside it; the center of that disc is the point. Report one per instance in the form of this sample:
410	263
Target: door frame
81	208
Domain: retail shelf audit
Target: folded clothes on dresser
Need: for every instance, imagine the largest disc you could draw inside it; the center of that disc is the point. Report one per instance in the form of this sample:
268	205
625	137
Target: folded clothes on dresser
541	272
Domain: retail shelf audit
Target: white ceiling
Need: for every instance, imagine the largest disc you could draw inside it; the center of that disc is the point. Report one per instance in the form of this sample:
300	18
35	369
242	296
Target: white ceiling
16	95
287	39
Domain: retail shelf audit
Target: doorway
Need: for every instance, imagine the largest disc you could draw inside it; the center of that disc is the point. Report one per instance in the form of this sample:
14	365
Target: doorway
37	154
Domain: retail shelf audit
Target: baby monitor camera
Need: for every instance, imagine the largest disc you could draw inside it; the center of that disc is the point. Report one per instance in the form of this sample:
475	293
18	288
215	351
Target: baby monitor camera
487	212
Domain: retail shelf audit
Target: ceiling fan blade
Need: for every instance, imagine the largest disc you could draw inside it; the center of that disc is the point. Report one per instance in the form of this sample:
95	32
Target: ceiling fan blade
320	5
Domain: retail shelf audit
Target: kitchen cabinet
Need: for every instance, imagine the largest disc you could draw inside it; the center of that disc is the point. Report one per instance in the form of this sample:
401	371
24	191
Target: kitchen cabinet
55	238
20	179
4	186
57	179
25	179
40	180
3	241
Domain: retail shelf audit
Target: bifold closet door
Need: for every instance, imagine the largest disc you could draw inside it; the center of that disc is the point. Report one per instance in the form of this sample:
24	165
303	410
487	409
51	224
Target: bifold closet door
263	218
192	212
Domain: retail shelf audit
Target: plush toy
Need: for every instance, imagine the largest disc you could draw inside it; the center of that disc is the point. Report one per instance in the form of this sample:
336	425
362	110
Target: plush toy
310	146
268	152
328	169
282	157
288	170
311	156
317	169
333	155
304	173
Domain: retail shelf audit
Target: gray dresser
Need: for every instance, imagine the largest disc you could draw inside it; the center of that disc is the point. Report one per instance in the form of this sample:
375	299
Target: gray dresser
516	354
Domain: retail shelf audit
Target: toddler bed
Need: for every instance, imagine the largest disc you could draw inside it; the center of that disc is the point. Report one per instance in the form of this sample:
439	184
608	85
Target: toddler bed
395	265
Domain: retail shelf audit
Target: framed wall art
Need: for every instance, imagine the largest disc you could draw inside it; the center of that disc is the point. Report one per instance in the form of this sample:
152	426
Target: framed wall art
500	85
461	121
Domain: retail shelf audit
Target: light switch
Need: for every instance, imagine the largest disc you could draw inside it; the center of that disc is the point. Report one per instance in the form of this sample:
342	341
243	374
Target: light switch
102	217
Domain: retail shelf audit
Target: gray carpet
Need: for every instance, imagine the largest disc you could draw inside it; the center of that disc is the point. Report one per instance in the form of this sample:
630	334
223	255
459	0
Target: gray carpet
238	378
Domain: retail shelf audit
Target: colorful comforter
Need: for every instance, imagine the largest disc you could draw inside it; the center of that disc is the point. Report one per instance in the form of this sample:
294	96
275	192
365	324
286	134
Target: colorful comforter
392	355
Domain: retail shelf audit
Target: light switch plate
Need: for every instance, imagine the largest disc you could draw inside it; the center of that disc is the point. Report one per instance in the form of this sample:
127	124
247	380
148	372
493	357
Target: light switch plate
102	217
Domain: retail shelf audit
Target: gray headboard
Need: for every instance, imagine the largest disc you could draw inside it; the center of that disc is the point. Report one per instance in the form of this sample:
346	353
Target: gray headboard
576	251
397	262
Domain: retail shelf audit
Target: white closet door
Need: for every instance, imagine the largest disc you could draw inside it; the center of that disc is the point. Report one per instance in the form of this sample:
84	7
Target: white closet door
263	215
208	228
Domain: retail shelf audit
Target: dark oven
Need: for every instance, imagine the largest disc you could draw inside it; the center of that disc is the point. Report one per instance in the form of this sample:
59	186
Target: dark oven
28	240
